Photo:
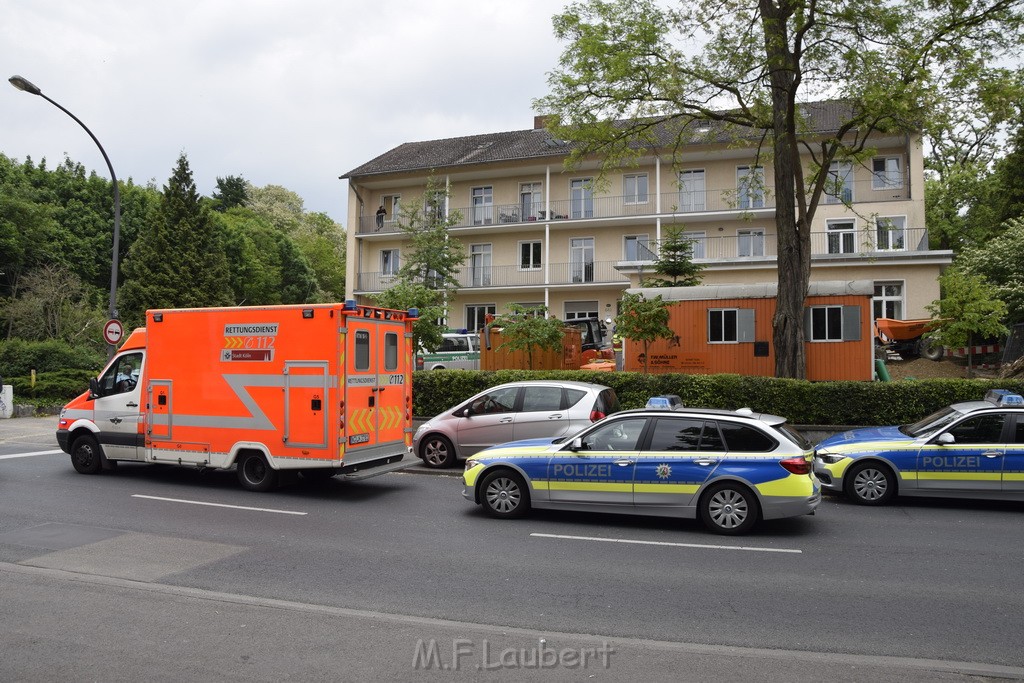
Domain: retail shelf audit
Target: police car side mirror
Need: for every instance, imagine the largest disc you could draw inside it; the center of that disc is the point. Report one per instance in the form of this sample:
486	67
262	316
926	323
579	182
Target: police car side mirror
576	445
945	439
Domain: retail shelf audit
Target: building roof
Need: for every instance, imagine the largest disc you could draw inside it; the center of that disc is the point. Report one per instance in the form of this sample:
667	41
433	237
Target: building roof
538	143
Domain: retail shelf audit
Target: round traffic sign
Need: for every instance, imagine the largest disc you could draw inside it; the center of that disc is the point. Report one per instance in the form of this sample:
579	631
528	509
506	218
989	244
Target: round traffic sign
113	331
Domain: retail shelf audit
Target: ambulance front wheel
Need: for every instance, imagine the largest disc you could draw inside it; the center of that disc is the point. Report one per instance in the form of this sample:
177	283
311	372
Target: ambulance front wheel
85	455
437	452
254	473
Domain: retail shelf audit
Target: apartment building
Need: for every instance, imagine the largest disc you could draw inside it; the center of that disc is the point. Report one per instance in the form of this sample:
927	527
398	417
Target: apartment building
537	234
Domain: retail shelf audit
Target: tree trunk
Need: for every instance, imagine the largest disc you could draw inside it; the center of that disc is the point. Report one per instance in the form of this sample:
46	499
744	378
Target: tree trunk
794	237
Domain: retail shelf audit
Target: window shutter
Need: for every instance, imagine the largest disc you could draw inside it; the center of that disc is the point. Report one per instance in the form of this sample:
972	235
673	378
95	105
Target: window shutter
851	323
807	323
745	325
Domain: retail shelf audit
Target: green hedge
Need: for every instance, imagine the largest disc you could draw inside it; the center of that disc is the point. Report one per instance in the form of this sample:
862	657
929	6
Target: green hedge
51	388
801	402
19	357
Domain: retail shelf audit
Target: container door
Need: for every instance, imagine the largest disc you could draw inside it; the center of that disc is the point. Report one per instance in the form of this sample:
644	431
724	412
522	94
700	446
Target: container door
305	403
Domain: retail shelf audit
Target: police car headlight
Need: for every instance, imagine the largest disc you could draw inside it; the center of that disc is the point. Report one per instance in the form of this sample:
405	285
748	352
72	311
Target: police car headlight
829	458
470	464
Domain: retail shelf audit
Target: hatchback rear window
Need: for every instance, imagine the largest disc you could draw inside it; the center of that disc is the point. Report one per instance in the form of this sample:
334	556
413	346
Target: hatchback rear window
607	402
574	396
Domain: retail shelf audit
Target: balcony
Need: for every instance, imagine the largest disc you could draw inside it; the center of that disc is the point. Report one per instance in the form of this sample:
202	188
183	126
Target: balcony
575	273
695	205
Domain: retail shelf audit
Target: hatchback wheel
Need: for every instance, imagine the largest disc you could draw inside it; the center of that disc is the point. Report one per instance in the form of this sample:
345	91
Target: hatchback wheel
437	452
729	508
505	495
870	484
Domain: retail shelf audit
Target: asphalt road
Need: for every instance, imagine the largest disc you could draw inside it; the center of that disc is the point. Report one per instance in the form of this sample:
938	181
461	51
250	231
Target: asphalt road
164	573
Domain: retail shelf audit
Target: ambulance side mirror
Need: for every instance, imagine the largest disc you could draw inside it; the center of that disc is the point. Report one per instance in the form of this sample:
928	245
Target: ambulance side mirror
94	388
945	439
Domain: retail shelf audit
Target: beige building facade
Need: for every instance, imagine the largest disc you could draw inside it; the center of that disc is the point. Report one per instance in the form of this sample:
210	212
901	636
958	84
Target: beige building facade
537	234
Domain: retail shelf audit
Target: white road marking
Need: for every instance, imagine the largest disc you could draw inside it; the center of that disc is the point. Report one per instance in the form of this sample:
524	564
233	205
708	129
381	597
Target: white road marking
219	505
667	543
29	455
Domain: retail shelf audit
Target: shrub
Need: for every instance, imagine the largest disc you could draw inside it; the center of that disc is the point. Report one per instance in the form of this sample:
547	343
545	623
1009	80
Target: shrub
19	357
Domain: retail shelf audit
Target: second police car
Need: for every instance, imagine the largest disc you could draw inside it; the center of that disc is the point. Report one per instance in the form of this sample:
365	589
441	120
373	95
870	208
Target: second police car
729	468
973	449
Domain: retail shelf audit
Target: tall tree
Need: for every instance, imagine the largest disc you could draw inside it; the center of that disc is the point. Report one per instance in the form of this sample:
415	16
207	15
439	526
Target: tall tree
180	261
231	191
674	262
1000	261
626	83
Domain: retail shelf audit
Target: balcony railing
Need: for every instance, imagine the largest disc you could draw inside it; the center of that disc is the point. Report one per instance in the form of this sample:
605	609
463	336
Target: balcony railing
726	203
579	273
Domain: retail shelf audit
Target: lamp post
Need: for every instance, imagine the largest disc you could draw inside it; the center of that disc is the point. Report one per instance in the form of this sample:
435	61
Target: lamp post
27	86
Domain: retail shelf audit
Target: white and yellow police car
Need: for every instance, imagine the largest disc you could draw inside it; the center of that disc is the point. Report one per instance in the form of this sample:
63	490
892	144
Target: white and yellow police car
729	468
973	449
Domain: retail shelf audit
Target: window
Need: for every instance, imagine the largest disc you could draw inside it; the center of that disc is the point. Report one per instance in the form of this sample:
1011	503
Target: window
480	265
476	316
581	198
691	191
122	376
750	187
435	206
531	200
984	429
751	242
530	255
392	206
839	183
746	439
888	300
892	233
698	241
580	309
841	236
483	205
620	435
581	259
832	323
636	248
634	188
362	350
498	401
885	173
730	325
541	398
389	262
685	434
390	352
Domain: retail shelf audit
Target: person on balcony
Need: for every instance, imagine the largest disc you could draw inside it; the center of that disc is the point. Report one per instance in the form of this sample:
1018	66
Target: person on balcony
381	213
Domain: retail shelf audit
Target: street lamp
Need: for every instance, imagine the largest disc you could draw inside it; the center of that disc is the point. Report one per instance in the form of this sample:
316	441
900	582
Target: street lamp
27	86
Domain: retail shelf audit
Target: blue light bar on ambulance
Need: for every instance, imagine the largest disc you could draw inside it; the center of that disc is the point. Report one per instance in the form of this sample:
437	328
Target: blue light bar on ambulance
1004	397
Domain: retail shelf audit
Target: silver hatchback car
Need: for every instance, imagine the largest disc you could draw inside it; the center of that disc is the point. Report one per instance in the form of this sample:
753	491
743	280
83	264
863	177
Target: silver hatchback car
512	412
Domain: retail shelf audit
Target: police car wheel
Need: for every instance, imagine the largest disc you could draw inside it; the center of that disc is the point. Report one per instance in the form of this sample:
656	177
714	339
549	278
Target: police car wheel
437	452
504	495
85	455
255	474
728	508
870	483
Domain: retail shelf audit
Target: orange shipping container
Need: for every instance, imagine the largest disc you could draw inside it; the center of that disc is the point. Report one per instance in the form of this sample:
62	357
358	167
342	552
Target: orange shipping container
728	329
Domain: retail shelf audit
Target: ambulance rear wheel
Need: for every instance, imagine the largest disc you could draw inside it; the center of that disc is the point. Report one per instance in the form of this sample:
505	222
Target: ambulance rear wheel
437	452
85	455
255	474
870	483
504	495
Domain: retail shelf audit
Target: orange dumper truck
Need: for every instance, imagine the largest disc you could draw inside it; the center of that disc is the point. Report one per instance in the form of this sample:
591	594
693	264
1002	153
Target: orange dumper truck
318	390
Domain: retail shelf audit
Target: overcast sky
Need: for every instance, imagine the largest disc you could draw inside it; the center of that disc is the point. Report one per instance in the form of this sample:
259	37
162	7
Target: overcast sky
287	92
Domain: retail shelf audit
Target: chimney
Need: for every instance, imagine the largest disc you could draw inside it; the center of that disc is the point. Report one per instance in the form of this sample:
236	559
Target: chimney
539	122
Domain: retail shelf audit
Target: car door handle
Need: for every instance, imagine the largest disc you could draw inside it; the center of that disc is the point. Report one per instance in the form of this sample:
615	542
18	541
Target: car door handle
505	420
704	462
992	454
131	405
556	416
623	463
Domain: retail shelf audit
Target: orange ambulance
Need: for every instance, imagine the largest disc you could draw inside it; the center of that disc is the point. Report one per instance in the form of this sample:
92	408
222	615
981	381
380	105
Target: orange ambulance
319	390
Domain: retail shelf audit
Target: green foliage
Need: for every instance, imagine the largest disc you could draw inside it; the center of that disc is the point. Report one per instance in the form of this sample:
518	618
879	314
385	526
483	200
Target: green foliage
969	308
55	304
51	388
20	357
431	259
180	261
799	401
426	332
232	191
1000	260
528	330
643	320
675	262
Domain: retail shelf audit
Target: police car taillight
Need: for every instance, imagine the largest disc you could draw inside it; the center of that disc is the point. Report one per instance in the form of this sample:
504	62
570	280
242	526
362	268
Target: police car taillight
796	465
596	415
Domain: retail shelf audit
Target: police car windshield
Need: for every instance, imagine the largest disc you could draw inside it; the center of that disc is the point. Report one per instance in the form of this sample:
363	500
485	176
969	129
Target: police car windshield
933	422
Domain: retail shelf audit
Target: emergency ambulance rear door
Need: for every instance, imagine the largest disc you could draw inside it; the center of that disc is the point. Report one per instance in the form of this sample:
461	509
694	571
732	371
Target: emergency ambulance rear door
374	387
